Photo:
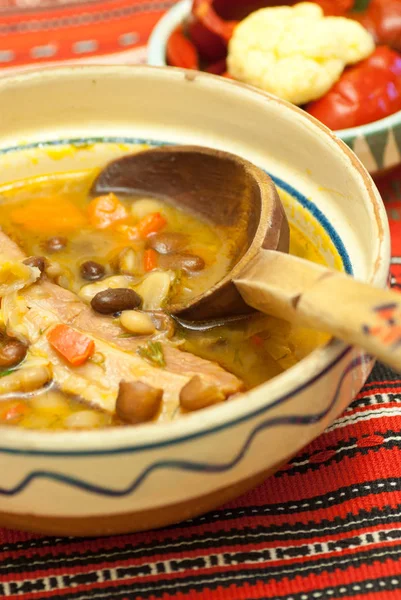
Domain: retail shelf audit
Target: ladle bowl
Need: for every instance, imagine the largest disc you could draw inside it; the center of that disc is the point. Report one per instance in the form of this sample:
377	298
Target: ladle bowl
228	191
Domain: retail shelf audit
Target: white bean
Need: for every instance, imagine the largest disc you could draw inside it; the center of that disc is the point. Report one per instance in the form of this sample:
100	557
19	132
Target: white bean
154	289
50	402
145	206
25	379
38	421
130	262
84	419
53	269
137	322
89	291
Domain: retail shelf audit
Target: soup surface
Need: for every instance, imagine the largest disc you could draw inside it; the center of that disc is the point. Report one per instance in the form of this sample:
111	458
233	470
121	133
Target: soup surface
85	283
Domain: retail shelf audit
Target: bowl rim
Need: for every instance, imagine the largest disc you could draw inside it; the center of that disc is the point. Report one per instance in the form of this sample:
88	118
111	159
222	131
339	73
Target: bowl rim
316	365
175	15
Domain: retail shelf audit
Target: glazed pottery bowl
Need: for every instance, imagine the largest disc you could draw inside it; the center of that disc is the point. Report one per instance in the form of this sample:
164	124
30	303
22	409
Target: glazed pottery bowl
377	145
132	478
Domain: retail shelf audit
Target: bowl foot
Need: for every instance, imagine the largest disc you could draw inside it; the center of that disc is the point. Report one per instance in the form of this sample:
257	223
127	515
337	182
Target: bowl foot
104	525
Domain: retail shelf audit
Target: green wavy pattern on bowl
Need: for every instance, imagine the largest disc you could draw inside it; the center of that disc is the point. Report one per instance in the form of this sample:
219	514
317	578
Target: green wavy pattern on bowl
378	145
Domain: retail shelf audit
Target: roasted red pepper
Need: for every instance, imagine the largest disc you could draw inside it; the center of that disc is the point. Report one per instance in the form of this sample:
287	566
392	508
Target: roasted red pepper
367	92
383	19
181	52
210	46
204	11
334	8
217	68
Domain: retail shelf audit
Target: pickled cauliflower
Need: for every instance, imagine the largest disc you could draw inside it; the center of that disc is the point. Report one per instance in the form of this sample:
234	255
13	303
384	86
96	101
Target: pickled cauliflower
295	52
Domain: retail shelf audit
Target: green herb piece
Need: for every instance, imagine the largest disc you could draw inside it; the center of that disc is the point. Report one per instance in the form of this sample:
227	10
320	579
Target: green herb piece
6	372
175	412
174	287
126	335
237	356
82	145
153	352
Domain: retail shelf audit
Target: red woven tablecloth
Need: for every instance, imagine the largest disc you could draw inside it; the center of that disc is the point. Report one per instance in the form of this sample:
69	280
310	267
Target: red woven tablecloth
326	526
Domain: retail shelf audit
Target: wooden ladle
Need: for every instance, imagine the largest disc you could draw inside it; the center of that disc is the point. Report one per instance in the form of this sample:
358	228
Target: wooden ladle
234	194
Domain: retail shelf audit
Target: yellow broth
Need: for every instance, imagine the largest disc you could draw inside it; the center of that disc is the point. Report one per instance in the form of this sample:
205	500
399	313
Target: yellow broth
255	350
34	211
262	346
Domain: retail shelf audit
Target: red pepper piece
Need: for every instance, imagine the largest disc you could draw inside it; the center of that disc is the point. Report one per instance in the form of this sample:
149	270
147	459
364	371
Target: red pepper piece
209	45
149	259
383	19
204	11
181	52
217	68
74	346
336	8
367	92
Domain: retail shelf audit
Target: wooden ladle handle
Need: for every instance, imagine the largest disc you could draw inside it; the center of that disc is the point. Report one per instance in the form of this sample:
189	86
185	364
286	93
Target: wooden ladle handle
310	295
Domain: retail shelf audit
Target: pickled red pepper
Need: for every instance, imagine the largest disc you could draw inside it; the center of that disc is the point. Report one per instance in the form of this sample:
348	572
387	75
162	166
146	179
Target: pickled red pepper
382	19
367	92
181	52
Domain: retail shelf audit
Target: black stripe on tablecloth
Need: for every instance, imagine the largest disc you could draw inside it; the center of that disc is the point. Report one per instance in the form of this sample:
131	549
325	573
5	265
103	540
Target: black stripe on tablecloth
380	372
159	586
348	446
240	538
342	450
375	399
322	502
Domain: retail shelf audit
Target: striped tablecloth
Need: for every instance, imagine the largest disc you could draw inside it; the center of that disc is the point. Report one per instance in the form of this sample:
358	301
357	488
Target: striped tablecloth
326	526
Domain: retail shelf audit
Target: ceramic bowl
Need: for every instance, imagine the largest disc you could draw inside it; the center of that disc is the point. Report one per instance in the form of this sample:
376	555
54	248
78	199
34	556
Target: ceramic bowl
377	145
127	479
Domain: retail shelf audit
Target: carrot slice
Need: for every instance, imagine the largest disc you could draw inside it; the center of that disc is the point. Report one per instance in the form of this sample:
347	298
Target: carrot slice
13	411
75	347
257	340
48	215
151	224
149	259
103	211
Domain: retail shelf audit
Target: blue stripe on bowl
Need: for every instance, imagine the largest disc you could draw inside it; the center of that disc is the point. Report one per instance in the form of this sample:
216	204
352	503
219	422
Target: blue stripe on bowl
321	218
185	465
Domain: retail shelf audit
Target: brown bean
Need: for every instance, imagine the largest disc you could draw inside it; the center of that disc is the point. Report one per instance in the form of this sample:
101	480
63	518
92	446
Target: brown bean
12	352
184	262
137	402
39	262
167	242
114	300
55	244
91	270
197	394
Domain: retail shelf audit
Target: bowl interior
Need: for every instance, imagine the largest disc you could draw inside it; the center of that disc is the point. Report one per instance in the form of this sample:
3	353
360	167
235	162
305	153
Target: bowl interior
80	117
